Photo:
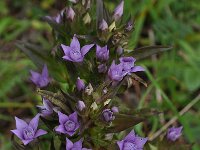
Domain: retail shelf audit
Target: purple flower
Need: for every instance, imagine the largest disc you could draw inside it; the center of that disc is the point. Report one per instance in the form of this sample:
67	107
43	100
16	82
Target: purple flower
115	109
132	142
128	64
80	85
80	105
70	13
116	72
118	12
174	133
103	25
68	124
120	50
102	53
73	52
27	132
40	80
102	68
47	108
75	146
108	115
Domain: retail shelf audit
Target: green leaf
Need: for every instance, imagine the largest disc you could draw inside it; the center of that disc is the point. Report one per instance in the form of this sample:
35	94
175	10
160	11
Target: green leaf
140	53
123	122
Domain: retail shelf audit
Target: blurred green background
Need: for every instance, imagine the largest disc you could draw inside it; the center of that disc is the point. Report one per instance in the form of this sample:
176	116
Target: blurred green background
173	77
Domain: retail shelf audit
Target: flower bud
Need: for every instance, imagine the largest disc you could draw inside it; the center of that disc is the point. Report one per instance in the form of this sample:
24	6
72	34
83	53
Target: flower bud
80	85
118	11
174	133
120	50
103	25
89	89
94	106
102	68
115	109
108	115
87	19
70	13
80	105
129	26
102	53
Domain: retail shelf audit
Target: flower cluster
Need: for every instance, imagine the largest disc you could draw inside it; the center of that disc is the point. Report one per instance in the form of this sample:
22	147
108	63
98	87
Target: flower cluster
94	66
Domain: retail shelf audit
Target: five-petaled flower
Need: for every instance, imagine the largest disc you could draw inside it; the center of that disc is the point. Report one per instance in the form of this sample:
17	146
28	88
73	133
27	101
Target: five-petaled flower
102	53
27	132
74	52
128	65
132	142
40	80
68	124
174	133
47	108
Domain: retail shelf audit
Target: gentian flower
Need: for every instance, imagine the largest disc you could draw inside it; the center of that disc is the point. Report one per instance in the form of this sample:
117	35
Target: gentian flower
118	12
70	13
132	142
73	52
75	146
47	108
80	85
116	72
102	68
27	132
103	25
68	124
128	65
40	80
108	115
80	105
174	133
102	53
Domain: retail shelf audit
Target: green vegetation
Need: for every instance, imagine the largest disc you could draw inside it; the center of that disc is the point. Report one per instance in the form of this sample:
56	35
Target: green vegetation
173	76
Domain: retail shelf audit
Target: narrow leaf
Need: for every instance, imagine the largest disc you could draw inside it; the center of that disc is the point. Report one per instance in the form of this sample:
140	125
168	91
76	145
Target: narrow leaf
140	53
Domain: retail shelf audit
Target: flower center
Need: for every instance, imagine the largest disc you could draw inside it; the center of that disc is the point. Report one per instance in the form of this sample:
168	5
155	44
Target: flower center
129	146
28	133
75	54
70	125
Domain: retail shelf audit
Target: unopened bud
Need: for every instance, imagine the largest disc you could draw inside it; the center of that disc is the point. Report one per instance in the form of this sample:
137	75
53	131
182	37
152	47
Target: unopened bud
80	105
70	13
80	85
89	89
87	19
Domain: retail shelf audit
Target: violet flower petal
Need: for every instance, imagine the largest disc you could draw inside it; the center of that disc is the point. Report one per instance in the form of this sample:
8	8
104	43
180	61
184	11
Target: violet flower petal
18	133
20	124
62	118
85	49
40	132
137	68
34	122
75	44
